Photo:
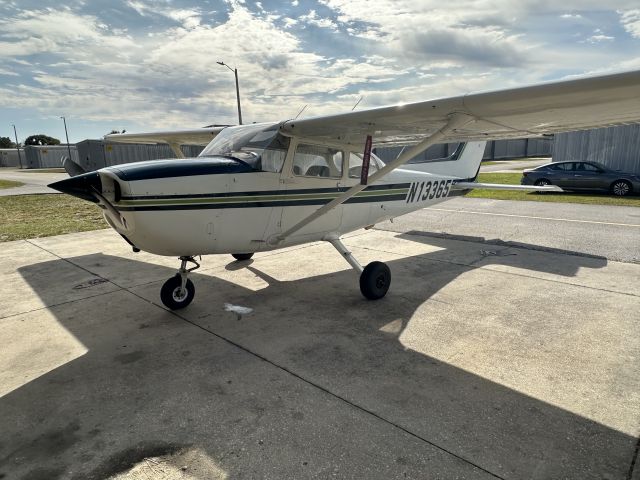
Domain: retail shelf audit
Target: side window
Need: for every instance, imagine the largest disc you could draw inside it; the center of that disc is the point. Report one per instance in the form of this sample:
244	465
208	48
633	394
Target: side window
355	165
563	167
273	156
272	160
317	161
590	168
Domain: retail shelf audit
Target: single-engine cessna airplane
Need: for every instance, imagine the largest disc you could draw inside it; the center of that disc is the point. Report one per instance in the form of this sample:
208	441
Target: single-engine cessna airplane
266	186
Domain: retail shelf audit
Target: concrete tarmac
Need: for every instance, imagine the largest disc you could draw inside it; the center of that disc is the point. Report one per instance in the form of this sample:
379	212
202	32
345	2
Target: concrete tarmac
482	362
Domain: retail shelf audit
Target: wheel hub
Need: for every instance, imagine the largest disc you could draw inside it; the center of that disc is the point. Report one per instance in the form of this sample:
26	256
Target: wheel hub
620	188
179	294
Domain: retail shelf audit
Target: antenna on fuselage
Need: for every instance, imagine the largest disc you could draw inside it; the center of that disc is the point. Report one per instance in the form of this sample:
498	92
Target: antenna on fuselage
301	110
359	100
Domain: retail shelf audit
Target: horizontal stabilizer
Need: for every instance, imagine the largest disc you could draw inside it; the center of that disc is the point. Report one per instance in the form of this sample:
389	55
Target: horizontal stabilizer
501	186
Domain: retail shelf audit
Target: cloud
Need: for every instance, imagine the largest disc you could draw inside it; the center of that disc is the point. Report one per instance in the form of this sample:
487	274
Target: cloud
630	20
312	18
152	62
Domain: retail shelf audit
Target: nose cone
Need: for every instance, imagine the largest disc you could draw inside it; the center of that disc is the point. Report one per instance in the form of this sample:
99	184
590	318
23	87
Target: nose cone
81	186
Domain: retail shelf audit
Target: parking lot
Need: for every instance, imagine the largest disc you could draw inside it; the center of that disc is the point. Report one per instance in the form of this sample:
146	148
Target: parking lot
485	360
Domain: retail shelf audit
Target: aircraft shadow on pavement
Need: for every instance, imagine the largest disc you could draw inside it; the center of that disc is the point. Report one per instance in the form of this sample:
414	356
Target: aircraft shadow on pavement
152	384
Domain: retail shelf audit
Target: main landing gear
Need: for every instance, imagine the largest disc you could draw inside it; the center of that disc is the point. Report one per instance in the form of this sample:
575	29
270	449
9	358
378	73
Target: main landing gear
375	278
178	291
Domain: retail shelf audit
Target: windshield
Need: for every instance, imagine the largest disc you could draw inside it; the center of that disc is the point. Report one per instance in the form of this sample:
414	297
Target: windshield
258	145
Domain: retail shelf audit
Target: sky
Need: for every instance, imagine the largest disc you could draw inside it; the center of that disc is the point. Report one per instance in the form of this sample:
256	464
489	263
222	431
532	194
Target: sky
148	65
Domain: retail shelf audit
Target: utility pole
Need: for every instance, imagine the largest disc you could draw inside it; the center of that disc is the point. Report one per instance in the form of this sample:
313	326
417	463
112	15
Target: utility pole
17	145
66	135
235	72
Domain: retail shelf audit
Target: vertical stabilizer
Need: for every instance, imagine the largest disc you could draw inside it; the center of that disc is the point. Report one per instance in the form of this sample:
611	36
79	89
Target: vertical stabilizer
464	164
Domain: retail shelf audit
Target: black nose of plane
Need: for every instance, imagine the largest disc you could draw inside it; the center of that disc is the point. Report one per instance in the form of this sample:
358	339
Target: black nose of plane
81	186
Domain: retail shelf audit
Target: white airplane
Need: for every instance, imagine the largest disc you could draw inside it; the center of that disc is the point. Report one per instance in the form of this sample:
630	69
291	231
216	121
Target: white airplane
266	186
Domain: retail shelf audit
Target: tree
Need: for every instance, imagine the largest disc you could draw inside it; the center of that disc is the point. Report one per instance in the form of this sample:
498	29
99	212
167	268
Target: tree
5	142
112	132
41	140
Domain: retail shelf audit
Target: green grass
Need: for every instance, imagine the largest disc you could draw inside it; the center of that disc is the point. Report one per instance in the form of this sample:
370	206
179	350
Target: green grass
33	216
567	197
9	184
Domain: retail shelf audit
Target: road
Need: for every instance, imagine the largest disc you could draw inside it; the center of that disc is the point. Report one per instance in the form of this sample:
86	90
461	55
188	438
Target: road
606	231
34	181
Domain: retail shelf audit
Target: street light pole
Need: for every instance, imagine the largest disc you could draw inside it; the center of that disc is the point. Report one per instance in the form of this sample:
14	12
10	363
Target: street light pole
17	145
66	135
235	72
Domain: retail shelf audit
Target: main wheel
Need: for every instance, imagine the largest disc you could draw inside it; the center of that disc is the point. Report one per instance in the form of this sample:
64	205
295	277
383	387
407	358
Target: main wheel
620	188
242	256
375	280
174	296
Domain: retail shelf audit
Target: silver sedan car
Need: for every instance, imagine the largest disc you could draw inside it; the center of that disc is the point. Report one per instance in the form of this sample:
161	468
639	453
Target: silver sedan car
582	176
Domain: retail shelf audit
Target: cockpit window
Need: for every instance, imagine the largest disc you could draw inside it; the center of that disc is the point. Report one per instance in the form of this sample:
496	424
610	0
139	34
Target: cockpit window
260	146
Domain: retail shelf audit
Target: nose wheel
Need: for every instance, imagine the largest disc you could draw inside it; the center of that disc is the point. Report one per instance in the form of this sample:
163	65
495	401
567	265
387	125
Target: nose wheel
178	291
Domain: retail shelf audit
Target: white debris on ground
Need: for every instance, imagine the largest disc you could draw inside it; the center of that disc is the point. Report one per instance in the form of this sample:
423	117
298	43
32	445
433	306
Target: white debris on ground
237	309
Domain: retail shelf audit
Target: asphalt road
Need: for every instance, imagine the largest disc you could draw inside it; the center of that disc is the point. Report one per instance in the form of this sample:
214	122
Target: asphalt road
34	181
597	230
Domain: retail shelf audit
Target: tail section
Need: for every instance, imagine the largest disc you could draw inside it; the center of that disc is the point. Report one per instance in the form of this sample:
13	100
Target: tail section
464	163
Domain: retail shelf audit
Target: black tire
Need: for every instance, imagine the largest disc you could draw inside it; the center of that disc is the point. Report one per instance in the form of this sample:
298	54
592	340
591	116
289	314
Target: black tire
543	182
375	280
621	188
171	296
242	256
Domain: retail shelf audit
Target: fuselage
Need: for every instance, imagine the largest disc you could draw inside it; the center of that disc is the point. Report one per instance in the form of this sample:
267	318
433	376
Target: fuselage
249	186
206	213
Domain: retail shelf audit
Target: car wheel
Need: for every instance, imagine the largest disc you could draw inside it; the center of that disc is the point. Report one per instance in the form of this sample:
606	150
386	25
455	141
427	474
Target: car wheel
620	188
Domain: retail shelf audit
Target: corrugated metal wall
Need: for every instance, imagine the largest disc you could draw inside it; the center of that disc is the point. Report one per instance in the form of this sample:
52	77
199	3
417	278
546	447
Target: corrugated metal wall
499	149
615	147
9	157
47	156
95	154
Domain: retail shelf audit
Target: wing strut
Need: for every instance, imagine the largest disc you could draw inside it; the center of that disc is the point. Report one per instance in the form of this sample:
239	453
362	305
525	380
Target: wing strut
456	120
176	149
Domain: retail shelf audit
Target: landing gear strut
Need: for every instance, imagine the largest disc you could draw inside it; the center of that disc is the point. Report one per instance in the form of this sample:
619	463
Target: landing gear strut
375	278
178	291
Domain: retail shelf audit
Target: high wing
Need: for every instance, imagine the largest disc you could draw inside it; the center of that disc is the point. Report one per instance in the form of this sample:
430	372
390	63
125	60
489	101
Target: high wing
514	113
200	136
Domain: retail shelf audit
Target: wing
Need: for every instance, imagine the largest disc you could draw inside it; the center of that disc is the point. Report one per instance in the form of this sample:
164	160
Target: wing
200	136
515	113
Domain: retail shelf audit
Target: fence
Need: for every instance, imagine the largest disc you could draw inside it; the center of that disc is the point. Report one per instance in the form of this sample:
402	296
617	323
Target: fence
616	147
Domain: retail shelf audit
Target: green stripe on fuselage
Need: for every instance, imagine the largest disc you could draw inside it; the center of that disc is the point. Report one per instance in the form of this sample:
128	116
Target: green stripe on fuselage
258	198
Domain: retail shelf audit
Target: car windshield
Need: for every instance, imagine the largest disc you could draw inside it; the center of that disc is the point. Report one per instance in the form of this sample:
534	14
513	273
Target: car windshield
258	145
